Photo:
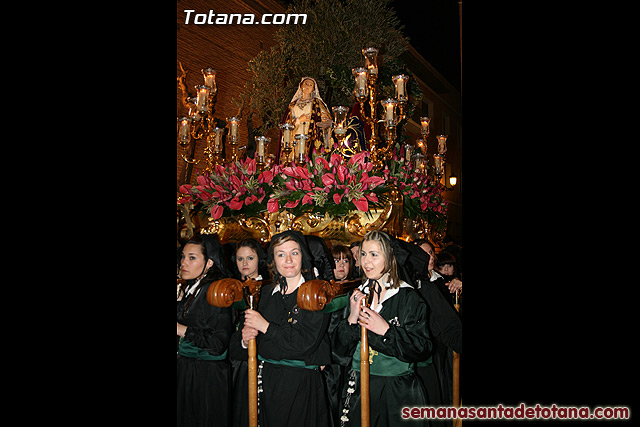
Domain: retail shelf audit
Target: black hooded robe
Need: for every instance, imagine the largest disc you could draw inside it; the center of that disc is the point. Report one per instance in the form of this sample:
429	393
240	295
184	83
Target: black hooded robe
203	379
393	383
291	391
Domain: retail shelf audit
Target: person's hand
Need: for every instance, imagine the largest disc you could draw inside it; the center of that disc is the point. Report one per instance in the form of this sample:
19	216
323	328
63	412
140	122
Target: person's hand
181	329
248	334
253	319
373	321
355	302
454	285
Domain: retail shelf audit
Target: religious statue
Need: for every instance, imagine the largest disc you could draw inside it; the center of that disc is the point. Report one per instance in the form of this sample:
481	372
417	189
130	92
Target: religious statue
305	110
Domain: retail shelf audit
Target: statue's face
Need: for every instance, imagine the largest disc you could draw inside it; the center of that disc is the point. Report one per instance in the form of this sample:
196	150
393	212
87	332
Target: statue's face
307	86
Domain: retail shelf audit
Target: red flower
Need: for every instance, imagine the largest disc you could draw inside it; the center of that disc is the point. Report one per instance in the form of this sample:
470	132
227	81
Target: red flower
292	204
302	172
307	199
358	158
273	205
235	204
328	179
361	204
216	211
324	162
252	198
337	198
265	177
290	186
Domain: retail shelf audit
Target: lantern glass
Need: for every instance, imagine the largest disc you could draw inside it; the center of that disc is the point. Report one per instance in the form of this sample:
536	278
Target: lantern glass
400	81
202	99
210	79
371	60
362	90
442	144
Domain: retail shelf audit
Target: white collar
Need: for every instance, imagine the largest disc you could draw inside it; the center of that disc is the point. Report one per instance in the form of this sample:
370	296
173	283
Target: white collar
276	288
193	287
434	276
388	294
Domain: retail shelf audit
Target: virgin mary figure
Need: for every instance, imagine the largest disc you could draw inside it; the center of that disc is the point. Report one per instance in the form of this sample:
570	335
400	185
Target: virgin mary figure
305	110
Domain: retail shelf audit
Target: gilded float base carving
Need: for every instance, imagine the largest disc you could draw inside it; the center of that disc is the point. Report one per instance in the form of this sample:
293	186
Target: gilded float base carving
335	230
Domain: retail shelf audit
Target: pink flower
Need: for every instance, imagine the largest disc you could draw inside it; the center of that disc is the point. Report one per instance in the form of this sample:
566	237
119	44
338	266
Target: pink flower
273	205
323	161
328	179
236	182
290	186
235	204
289	171
361	204
302	172
185	189
216	211
358	158
265	177
372	197
341	173
250	165
251	199
306	200
292	204
372	181
337	198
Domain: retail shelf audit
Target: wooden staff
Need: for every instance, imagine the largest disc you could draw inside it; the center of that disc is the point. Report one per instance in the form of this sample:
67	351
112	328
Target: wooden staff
313	295
456	372
365	402
252	365
223	293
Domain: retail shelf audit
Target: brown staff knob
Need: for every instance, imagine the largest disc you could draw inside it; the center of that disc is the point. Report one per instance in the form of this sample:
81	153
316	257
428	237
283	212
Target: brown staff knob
224	292
313	295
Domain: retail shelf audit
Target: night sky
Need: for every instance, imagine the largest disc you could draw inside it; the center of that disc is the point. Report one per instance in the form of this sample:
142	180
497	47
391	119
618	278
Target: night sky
433	29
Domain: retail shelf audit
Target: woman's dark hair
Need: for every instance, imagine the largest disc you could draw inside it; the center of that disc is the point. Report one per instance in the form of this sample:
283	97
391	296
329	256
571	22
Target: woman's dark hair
339	250
446	258
262	257
307	261
210	249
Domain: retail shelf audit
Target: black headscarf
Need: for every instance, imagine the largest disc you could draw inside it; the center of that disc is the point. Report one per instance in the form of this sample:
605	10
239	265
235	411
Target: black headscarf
215	253
322	257
412	261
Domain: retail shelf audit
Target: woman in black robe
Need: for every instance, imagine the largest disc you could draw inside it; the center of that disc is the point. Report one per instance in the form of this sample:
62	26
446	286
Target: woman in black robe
398	338
292	343
204	330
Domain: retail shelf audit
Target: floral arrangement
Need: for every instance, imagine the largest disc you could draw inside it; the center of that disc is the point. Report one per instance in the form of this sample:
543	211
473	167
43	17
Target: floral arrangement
422	195
326	184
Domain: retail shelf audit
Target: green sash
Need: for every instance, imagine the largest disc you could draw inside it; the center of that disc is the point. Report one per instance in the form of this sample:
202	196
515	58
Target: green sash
289	362
188	349
381	364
